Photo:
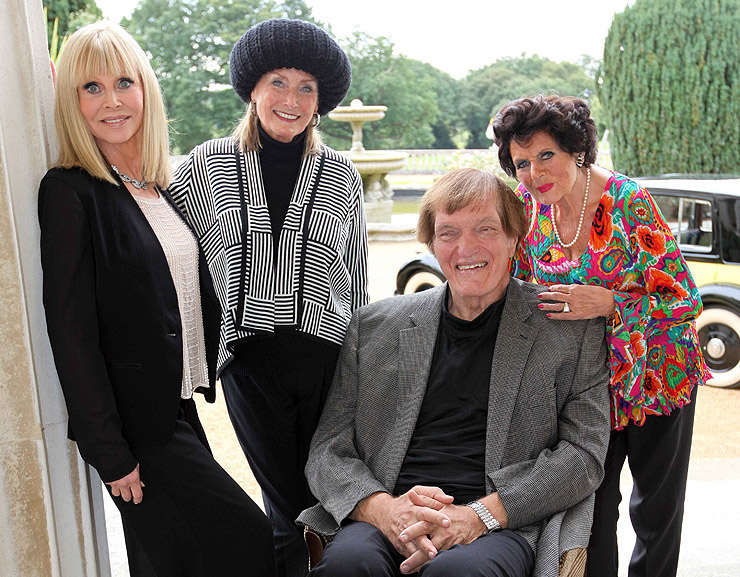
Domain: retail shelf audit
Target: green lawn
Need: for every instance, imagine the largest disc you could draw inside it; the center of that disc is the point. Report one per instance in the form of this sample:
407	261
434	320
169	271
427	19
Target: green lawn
405	205
412	180
410	205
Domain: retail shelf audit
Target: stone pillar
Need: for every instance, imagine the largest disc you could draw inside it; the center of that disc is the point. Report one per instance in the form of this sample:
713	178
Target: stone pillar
51	522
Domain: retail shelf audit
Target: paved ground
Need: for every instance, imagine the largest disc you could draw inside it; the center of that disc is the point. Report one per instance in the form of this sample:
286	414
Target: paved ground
710	532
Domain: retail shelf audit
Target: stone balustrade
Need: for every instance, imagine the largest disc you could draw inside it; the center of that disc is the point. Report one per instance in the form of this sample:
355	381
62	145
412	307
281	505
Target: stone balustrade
439	161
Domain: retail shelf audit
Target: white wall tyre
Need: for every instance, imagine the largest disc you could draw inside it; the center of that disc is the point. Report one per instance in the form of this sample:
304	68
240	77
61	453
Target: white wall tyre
420	281
719	335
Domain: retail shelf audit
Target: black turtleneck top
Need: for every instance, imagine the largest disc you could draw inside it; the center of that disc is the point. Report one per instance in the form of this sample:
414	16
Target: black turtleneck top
448	446
280	163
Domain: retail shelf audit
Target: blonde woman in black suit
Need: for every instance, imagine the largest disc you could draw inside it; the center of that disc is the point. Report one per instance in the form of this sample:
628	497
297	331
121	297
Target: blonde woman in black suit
133	319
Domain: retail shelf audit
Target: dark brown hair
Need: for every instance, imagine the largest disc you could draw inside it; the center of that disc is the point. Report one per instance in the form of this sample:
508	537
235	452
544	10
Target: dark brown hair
465	187
565	118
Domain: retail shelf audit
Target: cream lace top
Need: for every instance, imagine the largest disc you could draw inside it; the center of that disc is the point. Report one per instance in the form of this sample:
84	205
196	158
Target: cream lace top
181	251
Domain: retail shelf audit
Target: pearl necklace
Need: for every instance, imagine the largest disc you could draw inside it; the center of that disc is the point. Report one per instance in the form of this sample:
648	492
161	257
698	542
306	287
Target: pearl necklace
140	185
580	220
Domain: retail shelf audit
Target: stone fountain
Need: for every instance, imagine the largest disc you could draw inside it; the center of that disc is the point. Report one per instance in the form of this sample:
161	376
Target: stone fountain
373	165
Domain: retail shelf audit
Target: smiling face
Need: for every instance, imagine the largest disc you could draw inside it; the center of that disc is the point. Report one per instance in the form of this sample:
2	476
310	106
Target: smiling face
113	108
286	101
548	172
473	251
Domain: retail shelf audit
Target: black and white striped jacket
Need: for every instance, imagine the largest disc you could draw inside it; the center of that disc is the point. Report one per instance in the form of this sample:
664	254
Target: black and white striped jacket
320	276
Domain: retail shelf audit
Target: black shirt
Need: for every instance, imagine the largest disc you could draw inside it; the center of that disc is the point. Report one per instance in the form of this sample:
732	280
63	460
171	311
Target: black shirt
448	446
280	163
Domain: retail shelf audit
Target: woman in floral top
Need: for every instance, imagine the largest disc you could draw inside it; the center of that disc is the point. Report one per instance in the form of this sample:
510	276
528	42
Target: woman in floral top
627	268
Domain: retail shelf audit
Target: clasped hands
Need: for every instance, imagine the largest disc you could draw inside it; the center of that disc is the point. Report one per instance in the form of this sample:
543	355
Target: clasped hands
420	523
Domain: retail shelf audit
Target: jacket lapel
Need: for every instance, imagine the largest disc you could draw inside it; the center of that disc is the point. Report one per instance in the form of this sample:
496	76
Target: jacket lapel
513	344
207	289
166	194
290	235
415	351
153	259
257	244
304	184
256	303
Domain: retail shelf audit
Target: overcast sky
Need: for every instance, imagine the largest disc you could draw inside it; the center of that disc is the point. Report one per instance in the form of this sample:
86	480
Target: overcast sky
461	35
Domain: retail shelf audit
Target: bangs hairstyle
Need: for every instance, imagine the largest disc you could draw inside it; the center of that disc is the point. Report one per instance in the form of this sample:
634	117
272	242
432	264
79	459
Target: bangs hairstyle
105	49
466	187
247	136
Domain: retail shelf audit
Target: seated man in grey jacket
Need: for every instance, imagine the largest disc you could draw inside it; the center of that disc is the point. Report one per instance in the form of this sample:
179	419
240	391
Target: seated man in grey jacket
465	432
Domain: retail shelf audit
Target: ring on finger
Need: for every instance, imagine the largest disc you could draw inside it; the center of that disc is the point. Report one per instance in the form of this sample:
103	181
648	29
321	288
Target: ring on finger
566	308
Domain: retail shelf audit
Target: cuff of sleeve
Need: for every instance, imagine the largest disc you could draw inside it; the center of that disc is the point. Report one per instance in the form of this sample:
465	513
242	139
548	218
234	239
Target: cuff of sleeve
113	473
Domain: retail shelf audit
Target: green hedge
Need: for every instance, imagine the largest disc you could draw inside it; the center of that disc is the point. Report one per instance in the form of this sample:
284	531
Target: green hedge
671	87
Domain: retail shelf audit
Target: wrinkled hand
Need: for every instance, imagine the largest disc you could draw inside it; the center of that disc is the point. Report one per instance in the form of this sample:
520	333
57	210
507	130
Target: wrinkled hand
128	487
584	301
391	515
465	527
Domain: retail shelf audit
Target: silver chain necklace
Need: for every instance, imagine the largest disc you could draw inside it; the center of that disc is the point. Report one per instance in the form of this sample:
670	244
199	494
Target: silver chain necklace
140	185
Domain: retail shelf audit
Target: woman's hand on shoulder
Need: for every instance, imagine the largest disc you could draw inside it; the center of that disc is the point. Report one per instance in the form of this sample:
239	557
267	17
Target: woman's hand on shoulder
572	302
128	487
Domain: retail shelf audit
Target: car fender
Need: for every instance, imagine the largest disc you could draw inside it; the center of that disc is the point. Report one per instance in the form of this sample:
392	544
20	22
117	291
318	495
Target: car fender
722	294
424	262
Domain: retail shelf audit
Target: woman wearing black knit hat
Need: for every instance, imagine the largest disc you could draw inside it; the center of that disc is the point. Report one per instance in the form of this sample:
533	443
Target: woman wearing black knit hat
281	221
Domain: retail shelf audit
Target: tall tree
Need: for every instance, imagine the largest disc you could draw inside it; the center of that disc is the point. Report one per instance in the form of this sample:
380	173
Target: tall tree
381	77
189	42
70	15
671	86
449	125
487	89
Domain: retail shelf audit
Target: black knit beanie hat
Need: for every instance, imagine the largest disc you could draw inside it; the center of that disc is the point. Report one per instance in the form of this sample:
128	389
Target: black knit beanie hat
285	43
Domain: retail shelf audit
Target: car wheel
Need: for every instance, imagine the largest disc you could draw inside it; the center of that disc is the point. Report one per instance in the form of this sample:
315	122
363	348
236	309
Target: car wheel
719	335
421	281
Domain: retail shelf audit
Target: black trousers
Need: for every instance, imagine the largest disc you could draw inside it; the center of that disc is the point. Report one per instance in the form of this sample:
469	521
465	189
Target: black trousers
658	454
194	519
274	416
361	550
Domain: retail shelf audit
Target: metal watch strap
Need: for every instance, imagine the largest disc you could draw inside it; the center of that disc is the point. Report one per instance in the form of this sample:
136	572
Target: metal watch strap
485	515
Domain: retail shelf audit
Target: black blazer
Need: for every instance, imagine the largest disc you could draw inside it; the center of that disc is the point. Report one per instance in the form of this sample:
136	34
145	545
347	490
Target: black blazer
113	319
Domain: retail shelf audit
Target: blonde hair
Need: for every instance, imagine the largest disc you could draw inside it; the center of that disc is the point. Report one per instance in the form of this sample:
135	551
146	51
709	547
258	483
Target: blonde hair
465	187
101	49
247	136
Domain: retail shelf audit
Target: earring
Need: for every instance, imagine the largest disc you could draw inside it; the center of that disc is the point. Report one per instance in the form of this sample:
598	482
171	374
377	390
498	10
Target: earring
253	106
580	159
316	119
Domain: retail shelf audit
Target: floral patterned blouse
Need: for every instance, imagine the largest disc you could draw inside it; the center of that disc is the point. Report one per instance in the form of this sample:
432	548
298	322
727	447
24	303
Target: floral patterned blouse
654	352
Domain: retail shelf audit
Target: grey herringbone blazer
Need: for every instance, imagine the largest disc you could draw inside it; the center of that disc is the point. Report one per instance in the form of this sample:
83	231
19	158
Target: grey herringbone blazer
548	416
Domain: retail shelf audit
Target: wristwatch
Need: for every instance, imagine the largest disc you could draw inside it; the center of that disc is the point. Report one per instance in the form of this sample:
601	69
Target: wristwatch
485	515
